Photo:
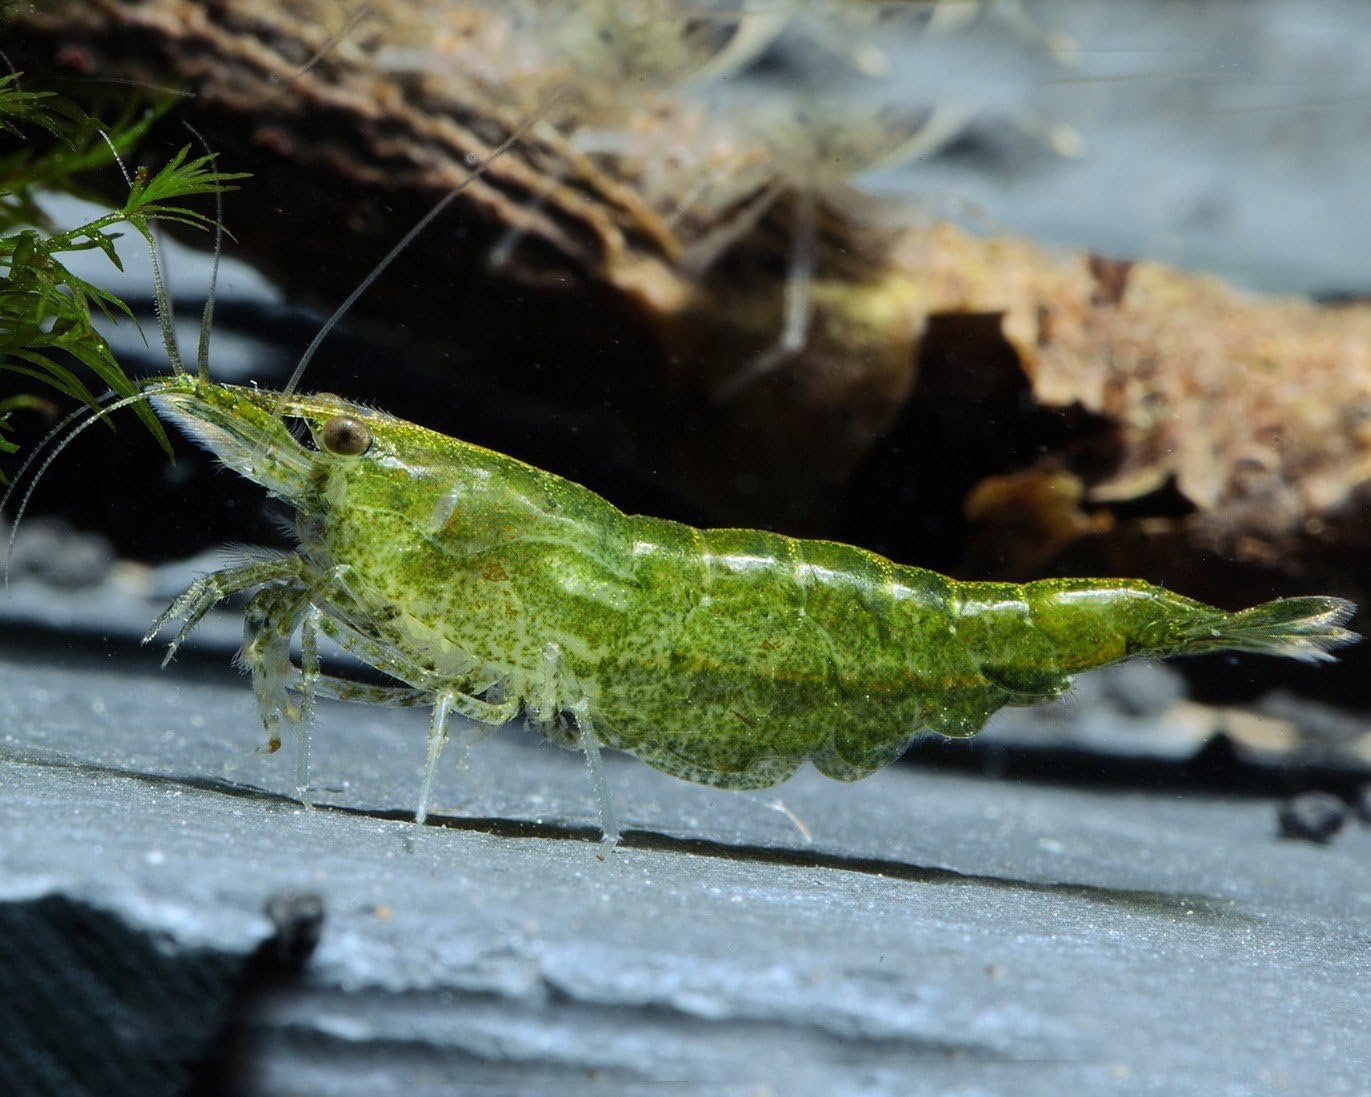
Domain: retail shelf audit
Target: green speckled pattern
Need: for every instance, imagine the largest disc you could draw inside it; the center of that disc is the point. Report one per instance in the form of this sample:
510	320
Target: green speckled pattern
722	656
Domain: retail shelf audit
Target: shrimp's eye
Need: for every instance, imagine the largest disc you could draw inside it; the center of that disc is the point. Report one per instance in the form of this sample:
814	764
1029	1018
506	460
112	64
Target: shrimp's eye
345	436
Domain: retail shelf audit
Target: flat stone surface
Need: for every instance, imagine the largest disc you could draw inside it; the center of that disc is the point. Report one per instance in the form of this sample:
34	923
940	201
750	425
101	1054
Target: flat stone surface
939	933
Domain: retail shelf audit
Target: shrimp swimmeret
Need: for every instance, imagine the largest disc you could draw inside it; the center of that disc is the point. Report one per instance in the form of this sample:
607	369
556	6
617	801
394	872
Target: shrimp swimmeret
493	589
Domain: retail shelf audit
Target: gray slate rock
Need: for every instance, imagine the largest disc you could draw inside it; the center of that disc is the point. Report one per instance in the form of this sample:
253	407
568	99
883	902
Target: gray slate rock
938	934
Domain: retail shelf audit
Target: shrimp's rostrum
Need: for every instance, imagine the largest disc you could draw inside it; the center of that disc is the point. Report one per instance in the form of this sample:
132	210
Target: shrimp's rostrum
726	656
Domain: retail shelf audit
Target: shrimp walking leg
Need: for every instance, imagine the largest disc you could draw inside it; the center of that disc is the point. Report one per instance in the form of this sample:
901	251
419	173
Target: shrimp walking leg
437	736
344	689
447	703
390	660
424	685
269	623
309	657
560	692
590	746
451	695
272	617
202	595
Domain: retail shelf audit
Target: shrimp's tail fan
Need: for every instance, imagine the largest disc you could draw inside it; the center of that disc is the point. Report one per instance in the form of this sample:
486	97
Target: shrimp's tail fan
1308	628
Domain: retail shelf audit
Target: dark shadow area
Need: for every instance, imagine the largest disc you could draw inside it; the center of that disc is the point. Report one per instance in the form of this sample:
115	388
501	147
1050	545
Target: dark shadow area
226	1067
1215	767
1138	900
90	1005
971	415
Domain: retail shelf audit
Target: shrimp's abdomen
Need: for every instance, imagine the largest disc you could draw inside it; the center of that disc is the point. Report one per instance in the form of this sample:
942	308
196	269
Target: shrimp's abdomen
750	653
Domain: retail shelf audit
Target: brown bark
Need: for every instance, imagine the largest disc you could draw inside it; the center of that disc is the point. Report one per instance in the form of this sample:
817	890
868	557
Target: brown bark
1207	436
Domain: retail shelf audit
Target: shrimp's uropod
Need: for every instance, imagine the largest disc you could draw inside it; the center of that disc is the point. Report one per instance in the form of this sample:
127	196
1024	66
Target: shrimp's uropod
490	588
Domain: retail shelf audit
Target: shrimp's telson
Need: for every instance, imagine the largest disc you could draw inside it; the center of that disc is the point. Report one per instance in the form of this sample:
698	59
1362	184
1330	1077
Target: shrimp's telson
490	588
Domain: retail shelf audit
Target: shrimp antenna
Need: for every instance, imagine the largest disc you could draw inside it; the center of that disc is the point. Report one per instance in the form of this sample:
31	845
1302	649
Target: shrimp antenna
65	422
94	417
207	316
161	303
119	160
125	82
360	12
405	241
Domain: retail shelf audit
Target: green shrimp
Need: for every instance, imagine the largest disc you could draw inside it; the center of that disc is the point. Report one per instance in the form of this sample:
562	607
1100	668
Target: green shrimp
486	587
490	588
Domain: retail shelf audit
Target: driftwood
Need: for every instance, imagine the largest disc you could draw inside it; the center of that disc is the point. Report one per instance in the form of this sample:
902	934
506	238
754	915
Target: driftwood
984	405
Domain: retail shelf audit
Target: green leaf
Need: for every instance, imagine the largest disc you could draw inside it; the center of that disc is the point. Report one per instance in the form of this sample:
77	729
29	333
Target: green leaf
44	369
29	108
46	332
179	178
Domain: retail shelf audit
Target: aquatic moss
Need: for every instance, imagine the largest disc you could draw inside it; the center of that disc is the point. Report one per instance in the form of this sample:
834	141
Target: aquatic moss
49	143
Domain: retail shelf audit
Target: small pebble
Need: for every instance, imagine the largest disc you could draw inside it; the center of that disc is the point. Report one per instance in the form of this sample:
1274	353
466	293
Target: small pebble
298	918
1364	804
56	554
1312	817
1144	689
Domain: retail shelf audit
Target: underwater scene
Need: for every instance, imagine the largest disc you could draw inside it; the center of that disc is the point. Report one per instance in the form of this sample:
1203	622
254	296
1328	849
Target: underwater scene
731	547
